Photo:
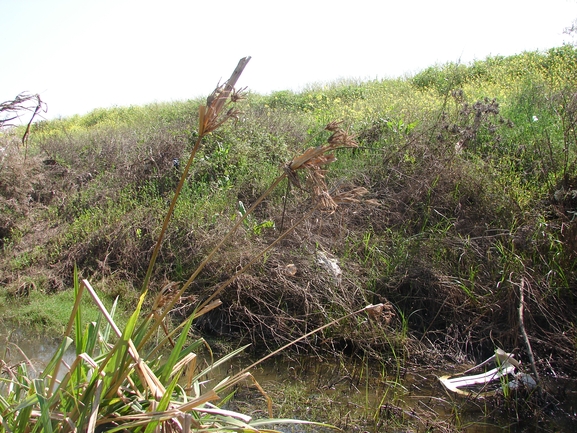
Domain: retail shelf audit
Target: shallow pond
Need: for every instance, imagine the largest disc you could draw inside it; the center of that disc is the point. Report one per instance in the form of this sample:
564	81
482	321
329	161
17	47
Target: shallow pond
19	345
394	399
342	392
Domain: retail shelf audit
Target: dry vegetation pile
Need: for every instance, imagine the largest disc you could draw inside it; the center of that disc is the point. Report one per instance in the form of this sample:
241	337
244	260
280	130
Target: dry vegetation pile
471	170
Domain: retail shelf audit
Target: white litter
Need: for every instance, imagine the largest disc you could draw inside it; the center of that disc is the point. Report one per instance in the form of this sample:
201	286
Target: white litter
483	384
331	265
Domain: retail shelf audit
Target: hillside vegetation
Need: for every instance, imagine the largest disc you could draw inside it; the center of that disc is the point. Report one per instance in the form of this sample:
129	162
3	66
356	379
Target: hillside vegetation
471	175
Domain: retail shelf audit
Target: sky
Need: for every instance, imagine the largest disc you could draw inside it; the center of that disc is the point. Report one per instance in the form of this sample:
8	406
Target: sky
79	55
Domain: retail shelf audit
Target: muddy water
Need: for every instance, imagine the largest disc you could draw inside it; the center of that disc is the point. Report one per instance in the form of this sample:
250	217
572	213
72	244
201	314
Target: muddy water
319	389
390	398
19	345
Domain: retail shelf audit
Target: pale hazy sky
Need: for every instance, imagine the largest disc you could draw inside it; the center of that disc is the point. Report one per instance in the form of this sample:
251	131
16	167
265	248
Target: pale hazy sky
80	55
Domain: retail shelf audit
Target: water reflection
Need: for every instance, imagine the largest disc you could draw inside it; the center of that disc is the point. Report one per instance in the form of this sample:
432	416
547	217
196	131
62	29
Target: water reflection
18	345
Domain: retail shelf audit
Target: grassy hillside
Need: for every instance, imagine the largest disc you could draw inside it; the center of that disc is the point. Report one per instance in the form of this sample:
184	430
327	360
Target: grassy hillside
472	184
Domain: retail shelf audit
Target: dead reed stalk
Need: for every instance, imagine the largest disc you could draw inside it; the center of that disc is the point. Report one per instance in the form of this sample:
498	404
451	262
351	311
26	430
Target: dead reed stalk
210	117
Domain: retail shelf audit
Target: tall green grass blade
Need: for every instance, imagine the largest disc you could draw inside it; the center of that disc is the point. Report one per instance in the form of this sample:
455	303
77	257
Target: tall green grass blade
145	330
53	367
44	423
77	313
116	367
163	403
131	324
30	401
23	410
176	352
23	419
4	405
20	385
218	363
90	336
89	340
121	358
88	400
108	327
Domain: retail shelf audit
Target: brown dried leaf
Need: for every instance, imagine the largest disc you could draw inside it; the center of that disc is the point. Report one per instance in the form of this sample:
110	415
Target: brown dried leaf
333	126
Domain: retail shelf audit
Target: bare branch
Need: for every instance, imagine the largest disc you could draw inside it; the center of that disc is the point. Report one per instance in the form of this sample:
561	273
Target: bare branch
23	103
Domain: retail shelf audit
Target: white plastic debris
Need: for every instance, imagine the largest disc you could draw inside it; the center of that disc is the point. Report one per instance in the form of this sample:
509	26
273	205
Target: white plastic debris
331	265
503	375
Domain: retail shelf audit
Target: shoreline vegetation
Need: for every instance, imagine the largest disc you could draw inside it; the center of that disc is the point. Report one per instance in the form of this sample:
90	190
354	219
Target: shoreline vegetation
447	219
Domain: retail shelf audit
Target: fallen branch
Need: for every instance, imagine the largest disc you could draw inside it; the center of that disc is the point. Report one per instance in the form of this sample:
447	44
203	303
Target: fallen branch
11	110
524	333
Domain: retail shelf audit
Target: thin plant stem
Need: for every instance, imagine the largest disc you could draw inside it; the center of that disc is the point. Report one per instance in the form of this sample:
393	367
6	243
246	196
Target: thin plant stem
160	317
524	333
168	215
208	121
302	337
200	267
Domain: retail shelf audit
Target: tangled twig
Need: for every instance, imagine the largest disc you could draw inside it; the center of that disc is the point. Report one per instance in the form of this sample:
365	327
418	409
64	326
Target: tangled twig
12	110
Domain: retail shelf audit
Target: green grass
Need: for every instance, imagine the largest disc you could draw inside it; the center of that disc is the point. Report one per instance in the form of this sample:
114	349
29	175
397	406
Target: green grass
46	314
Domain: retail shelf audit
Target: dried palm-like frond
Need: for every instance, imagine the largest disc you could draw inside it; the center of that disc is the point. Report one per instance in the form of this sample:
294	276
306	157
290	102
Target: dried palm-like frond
211	116
314	159
315	156
334	125
319	190
341	138
352	196
238	95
